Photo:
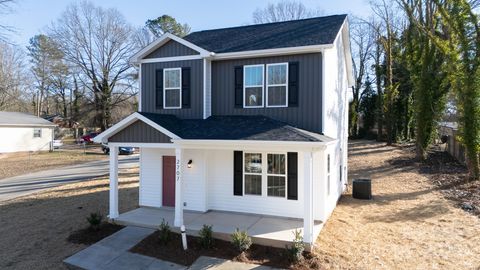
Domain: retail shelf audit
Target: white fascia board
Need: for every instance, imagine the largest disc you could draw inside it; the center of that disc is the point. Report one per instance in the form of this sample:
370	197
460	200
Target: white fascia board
344	34
251	144
29	125
135	59
103	137
142	145
271	52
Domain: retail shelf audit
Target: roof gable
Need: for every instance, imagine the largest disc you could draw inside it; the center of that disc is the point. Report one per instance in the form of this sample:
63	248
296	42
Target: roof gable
170	49
139	132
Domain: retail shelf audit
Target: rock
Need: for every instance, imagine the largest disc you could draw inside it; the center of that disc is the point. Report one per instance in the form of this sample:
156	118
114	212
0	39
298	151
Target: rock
467	206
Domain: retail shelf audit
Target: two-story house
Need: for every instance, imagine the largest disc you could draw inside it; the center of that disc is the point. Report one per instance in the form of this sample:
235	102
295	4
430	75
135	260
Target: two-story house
248	120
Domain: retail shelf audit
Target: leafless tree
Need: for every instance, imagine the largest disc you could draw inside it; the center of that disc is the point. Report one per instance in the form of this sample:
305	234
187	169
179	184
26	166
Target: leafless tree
99	42
362	42
6	7
13	78
285	10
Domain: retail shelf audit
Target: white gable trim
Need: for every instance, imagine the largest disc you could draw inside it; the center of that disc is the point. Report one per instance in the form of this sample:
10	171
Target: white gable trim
272	52
344	34
135	59
103	137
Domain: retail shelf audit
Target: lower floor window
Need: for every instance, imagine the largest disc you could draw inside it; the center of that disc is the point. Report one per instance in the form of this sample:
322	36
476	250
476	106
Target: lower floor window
275	174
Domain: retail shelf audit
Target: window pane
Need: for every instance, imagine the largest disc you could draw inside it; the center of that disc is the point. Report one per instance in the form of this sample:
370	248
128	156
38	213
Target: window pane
253	163
277	95
276	186
172	78
172	98
253	184
277	74
253	96
253	76
276	163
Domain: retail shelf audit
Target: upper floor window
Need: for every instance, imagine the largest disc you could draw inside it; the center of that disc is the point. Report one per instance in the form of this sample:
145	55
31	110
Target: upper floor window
277	81
172	88
253	82
37	132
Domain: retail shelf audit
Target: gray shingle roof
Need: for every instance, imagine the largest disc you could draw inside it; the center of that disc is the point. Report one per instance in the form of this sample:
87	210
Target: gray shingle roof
234	128
313	31
22	119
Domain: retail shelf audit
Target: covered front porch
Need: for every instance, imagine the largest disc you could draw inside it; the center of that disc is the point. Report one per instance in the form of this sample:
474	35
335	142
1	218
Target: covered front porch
264	230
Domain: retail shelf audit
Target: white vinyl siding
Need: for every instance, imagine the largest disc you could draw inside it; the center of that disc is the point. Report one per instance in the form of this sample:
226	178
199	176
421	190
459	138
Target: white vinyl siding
22	139
150	191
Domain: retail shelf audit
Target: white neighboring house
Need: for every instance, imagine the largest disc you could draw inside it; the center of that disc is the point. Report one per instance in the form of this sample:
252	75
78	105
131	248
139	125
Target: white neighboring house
21	132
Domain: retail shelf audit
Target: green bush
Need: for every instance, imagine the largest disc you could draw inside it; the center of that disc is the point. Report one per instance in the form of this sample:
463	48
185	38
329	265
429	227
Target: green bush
95	220
295	251
164	232
206	236
241	240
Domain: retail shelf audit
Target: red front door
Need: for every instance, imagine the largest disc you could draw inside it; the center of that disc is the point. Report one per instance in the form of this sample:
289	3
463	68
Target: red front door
168	186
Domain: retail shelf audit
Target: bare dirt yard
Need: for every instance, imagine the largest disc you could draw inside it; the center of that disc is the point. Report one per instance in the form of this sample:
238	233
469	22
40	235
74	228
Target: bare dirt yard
409	224
34	229
13	164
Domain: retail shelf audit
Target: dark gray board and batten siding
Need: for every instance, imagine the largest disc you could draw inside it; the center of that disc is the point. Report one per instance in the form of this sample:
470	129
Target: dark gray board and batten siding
307	115
196	88
139	132
172	49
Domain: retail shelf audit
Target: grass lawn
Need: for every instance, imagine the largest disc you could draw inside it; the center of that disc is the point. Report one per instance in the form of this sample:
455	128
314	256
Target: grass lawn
34	229
409	224
13	164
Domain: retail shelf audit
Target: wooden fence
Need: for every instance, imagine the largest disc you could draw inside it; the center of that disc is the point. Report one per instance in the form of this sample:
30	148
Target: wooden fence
448	133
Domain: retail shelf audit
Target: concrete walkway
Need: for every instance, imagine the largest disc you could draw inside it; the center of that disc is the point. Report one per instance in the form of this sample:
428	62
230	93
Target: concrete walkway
112	253
29	183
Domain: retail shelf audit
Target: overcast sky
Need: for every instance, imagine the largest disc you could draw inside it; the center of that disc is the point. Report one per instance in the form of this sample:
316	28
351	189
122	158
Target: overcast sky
32	16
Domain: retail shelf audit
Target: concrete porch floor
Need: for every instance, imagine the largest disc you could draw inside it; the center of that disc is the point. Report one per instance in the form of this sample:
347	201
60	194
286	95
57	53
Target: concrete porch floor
264	230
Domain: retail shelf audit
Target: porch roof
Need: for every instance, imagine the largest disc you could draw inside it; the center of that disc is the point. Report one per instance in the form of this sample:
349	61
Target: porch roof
219	128
234	127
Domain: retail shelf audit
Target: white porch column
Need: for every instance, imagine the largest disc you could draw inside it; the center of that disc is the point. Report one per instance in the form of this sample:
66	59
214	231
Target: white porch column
113	182
308	198
178	188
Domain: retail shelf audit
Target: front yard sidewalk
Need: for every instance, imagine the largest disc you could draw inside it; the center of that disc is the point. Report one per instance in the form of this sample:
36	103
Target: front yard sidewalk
112	253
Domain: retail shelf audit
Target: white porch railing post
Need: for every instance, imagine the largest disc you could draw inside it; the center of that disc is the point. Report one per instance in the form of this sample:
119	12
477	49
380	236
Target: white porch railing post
308	200
178	188
113	183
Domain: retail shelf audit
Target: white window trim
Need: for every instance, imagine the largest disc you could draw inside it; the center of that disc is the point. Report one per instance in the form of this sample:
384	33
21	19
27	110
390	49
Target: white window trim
265	174
249	173
172	88
252	86
274	85
39	129
282	175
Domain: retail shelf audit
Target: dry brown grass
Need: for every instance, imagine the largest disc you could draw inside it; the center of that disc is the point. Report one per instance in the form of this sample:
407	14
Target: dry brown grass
34	229
13	164
408	224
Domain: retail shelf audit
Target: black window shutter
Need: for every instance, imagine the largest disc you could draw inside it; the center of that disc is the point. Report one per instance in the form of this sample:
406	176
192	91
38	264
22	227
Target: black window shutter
159	88
186	87
293	84
237	173
239	87
292	171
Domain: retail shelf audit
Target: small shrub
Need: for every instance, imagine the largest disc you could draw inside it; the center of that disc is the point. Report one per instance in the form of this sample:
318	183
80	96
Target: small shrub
241	240
164	232
295	251
206	236
95	220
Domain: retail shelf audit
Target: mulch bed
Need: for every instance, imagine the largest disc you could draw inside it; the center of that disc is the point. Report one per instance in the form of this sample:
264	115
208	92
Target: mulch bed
257	254
451	177
88	236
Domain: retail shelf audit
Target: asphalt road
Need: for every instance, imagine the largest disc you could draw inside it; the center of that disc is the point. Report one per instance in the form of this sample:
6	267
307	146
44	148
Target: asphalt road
29	183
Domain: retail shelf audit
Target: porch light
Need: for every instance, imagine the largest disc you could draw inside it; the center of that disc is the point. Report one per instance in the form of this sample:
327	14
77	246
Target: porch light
189	164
